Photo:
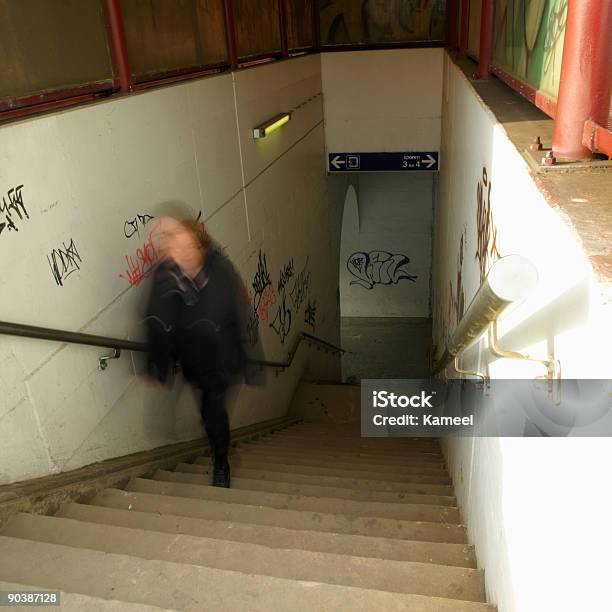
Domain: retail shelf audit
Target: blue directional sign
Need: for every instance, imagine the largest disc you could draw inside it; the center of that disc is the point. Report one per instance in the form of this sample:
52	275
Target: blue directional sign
403	161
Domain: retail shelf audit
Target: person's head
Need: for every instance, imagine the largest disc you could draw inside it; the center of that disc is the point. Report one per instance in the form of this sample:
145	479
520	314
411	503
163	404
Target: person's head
186	242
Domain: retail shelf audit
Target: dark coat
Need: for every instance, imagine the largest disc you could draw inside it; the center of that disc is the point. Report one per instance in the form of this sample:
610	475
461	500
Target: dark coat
199	324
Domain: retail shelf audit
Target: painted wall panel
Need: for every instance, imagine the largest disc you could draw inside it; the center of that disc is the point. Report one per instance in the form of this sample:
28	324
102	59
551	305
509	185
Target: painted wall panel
394	21
528	41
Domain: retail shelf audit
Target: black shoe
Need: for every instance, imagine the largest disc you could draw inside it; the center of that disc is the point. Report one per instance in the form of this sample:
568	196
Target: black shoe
221	475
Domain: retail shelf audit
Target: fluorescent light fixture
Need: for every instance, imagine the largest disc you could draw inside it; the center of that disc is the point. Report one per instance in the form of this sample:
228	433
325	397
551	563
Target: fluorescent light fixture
263	130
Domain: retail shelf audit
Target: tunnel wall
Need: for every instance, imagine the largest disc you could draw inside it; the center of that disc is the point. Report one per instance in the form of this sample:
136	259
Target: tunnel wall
518	493
90	178
385	101
391	219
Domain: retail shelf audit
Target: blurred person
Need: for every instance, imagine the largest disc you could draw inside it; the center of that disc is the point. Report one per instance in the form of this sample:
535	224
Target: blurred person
196	317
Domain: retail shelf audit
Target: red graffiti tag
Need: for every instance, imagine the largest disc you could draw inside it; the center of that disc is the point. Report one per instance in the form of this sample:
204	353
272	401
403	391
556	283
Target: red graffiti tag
267	300
141	265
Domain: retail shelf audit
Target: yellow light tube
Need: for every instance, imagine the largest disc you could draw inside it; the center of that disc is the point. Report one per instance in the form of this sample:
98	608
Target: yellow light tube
263	130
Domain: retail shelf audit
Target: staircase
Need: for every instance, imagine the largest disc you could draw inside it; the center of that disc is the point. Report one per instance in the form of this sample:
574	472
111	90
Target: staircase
317	519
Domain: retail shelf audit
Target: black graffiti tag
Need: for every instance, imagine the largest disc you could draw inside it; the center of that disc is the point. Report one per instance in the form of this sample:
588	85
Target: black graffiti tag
378	268
310	314
300	288
285	275
12	204
133	226
282	322
261	280
64	261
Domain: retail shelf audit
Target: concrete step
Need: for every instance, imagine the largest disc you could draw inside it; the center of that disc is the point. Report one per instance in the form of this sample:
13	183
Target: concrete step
321	491
320	446
170	483
361	484
292	519
404	467
75	602
343	429
253	463
355	436
190	587
394	445
278	537
379	458
395	576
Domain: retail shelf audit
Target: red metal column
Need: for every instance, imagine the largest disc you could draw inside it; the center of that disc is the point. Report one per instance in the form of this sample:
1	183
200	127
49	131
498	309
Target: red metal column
316	26
118	46
231	34
581	81
282	18
465	20
486	38
452	10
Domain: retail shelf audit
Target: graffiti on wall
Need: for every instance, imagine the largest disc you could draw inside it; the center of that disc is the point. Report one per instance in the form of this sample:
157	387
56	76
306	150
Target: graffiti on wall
378	268
456	294
528	40
133	226
141	264
310	314
450	307
63	261
261	297
293	290
381	21
12	210
487	252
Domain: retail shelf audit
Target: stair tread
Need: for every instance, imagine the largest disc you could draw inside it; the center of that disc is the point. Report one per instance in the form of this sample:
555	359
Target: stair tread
395	576
175	483
108	574
354	483
330	461
362	457
426	460
324	491
278	537
327	471
374	445
298	519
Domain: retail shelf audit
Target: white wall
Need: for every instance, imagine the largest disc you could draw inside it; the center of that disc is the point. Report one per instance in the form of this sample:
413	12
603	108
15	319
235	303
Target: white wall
534	507
385	101
388	216
87	171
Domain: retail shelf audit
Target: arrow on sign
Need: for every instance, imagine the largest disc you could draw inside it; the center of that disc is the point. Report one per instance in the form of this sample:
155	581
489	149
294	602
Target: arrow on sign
337	163
430	161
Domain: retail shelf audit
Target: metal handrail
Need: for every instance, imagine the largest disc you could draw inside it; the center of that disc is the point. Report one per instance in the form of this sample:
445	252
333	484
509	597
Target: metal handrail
117	344
509	280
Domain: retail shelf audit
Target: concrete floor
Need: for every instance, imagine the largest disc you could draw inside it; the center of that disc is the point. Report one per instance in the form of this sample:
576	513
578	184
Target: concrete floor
385	347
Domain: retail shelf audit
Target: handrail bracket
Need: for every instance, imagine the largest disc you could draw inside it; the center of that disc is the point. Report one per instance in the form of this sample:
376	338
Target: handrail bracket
103	361
552	365
486	382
